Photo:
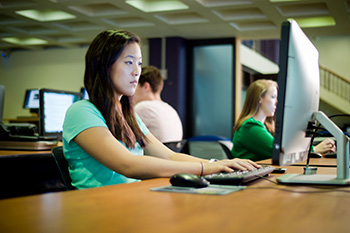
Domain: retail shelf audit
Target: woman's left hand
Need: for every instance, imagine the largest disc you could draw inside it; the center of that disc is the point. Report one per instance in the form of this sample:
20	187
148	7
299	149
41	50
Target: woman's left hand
326	146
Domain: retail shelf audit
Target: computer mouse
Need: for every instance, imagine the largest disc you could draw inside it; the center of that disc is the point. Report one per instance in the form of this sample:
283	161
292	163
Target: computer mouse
188	180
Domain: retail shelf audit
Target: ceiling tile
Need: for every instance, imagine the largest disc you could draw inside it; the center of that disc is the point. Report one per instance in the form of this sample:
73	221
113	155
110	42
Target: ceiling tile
303	9
182	18
98	10
239	14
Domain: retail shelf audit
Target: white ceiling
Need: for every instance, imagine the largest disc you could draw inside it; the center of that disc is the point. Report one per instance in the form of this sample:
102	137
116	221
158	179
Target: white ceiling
247	19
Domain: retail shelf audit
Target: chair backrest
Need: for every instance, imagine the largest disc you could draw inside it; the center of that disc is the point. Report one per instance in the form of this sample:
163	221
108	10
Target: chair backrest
62	164
178	146
210	147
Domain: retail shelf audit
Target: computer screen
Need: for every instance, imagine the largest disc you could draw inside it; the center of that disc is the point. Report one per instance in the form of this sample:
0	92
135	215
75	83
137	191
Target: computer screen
2	101
298	95
298	102
31	99
53	107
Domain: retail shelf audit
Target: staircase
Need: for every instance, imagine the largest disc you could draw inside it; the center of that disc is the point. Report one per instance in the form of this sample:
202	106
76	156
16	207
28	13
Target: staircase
335	90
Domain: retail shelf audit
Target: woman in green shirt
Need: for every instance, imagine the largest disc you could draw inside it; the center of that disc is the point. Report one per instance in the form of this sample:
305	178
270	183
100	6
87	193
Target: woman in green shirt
255	128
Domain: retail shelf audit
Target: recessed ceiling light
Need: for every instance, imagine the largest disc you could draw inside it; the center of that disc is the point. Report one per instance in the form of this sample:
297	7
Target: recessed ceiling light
24	41
315	22
157	5
46	15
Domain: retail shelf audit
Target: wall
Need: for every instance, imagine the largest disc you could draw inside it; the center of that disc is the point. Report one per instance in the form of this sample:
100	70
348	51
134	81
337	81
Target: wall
61	69
334	53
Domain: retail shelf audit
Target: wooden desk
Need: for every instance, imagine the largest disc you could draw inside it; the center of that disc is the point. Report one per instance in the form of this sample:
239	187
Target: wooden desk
23	152
263	207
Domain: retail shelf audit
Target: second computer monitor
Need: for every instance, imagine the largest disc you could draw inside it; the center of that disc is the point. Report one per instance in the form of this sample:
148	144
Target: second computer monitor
52	111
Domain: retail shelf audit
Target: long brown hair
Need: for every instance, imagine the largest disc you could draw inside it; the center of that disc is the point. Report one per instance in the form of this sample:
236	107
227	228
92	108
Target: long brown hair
256	90
104	50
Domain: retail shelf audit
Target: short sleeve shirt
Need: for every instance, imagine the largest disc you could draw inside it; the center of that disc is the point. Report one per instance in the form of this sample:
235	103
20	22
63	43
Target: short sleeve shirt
85	171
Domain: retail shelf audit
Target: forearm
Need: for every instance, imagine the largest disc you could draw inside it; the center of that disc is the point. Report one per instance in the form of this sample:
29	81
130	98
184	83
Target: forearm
146	167
186	157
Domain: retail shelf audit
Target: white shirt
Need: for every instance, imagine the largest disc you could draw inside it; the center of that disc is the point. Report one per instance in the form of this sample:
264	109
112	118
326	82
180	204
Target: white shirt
161	119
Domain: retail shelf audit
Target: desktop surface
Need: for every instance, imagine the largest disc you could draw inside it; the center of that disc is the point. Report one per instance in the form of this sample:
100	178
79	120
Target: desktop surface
262	207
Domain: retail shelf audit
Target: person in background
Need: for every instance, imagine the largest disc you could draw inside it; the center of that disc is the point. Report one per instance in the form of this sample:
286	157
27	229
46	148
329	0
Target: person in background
159	117
104	140
255	128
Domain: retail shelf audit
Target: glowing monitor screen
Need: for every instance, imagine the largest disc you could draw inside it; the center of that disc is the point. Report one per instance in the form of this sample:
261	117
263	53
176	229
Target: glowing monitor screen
53	107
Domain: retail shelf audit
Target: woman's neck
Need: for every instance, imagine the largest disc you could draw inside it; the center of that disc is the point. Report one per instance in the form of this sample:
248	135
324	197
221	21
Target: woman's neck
260	116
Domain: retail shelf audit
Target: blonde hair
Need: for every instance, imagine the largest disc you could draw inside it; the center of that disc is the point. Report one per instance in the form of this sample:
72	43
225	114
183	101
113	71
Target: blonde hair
256	90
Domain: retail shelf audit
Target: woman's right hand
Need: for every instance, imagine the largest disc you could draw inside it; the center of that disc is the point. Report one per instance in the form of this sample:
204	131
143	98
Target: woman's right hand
229	165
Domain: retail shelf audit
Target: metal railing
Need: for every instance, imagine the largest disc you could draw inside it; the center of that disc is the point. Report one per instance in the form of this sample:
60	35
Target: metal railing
335	83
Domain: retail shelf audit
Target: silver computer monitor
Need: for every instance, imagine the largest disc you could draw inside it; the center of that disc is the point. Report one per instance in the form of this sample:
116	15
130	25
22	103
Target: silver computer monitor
298	95
298	102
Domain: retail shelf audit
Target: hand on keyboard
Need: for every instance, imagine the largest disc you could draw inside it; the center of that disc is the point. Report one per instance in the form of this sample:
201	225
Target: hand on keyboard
239	177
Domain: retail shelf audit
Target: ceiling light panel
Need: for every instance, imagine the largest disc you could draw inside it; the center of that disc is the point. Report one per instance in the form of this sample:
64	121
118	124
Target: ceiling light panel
45	15
98	10
313	22
157	5
24	41
239	14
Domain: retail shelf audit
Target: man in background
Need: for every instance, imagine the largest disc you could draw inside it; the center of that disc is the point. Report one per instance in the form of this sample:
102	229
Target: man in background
161	119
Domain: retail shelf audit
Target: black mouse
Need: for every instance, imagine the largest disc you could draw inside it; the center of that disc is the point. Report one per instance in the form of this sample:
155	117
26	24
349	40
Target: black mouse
188	180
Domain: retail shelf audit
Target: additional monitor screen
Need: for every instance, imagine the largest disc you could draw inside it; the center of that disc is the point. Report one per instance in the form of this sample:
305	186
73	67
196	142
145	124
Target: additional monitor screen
85	93
298	95
31	99
2	101
53	107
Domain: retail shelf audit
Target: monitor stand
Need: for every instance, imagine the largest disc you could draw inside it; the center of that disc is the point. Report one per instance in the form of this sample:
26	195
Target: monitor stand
342	177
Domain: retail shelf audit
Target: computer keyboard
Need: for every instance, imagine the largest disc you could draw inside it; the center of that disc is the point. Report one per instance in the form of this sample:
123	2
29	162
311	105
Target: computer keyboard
238	177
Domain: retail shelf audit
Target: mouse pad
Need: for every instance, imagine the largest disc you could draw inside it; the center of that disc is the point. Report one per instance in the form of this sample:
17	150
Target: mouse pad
211	189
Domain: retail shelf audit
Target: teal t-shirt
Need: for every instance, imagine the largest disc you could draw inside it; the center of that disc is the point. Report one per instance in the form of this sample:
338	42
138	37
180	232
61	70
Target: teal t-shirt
252	141
85	171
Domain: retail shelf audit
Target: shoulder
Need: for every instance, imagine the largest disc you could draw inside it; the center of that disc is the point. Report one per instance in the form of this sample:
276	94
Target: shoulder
251	122
83	111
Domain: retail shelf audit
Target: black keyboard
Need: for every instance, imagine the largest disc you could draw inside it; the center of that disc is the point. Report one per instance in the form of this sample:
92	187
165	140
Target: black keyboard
238	177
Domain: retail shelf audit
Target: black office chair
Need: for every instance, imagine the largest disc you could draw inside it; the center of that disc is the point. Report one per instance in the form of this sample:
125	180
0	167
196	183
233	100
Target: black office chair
62	165
178	146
